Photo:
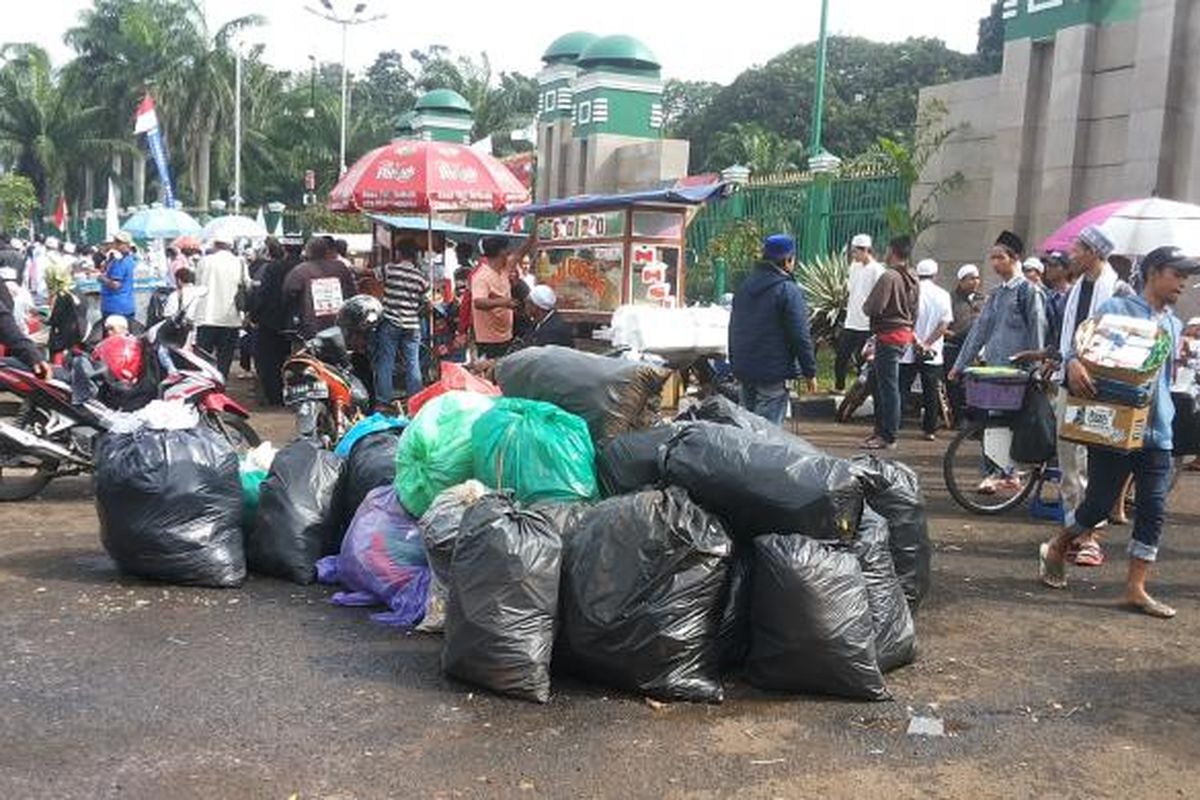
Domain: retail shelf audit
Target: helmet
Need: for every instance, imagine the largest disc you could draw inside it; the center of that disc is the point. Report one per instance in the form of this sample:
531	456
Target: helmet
360	314
122	355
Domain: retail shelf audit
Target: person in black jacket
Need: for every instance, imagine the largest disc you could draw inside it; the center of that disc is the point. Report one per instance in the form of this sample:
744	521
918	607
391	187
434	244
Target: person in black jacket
268	312
769	338
548	325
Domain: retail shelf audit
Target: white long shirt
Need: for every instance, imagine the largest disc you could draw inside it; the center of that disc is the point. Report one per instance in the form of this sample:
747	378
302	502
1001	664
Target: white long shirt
933	309
861	281
221	273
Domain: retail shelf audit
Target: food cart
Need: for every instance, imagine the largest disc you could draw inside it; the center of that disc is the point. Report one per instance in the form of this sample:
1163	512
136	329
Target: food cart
617	265
601	252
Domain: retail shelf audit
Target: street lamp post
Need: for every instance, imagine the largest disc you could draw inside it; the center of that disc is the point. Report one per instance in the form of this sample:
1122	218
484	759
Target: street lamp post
237	129
821	163
354	18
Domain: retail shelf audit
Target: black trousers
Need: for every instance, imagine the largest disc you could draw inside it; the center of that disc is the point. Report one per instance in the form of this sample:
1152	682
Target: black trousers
849	348
271	349
954	390
931	379
220	342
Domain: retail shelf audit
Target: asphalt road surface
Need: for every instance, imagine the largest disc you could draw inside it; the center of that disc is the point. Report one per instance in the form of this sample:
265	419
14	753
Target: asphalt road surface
115	687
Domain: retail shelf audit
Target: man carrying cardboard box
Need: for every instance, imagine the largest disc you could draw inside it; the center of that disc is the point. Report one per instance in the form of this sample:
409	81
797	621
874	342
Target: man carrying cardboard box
1165	273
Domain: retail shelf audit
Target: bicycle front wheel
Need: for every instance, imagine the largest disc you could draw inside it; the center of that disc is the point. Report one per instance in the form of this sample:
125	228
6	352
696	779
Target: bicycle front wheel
979	474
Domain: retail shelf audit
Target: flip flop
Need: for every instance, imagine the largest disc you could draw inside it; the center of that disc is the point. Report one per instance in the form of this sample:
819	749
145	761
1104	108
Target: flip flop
1151	608
1089	555
1051	574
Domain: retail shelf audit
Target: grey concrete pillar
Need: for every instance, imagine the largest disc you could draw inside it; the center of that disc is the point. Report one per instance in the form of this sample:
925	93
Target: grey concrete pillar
1065	133
1154	111
1015	131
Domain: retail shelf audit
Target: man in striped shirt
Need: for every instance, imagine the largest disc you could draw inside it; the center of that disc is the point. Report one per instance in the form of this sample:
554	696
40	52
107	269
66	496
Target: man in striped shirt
405	286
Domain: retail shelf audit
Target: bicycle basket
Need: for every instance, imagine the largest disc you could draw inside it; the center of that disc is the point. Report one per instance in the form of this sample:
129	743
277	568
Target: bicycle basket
995	388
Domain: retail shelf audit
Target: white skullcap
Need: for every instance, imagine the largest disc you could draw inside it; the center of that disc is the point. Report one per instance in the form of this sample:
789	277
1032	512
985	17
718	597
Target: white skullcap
1034	264
927	268
861	240
543	297
116	322
968	271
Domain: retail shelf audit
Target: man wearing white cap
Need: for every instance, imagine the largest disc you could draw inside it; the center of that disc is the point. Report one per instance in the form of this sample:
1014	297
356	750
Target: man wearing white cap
220	275
1035	270
924	355
116	283
548	326
864	272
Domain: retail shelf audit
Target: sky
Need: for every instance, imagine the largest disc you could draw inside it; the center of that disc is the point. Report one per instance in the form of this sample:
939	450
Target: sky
693	40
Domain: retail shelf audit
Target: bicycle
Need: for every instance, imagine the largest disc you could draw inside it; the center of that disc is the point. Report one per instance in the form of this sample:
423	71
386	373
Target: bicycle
986	442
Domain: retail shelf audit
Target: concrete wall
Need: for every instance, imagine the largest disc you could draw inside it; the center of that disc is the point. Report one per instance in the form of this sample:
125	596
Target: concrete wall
1097	113
607	163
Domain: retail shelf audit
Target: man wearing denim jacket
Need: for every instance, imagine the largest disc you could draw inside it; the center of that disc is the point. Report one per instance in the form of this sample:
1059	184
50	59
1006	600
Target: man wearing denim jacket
1165	273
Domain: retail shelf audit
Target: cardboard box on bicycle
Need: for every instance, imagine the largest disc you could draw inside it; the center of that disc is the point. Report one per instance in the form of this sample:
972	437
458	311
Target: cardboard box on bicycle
1104	424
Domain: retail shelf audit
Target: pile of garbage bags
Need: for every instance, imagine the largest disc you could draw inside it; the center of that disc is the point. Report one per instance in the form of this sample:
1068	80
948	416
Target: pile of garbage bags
559	529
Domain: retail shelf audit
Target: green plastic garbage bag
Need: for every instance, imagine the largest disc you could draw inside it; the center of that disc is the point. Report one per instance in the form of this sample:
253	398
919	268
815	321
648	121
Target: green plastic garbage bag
537	450
251	492
435	452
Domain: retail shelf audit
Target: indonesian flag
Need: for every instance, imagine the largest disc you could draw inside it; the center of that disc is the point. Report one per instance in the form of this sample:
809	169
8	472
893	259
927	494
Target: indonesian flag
146	118
61	214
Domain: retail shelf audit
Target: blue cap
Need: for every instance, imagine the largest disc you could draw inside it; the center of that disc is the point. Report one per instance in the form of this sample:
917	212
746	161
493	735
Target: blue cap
778	245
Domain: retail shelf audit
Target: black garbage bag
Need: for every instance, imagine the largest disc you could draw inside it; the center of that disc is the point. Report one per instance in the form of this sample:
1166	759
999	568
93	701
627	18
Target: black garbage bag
298	520
722	410
1035	430
894	492
441	523
629	462
733	637
644	579
762	485
612	395
811	630
170	506
503	599
371	464
895	633
565	516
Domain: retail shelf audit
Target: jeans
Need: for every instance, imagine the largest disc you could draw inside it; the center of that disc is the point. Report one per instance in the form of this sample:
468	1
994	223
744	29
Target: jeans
1107	471
768	400
887	390
849	348
220	342
389	339
931	379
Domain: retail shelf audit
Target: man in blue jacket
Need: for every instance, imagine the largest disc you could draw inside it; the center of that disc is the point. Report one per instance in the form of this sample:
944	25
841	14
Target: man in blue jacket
769	340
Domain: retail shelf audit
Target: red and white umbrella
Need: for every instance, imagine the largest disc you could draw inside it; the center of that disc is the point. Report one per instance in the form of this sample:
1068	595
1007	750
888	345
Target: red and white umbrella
426	177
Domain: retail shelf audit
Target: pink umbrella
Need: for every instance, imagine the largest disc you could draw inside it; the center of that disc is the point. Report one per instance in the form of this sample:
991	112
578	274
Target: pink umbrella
1064	237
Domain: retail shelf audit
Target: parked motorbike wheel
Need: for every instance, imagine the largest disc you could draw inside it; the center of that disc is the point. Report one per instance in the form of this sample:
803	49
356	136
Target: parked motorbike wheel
236	430
22	476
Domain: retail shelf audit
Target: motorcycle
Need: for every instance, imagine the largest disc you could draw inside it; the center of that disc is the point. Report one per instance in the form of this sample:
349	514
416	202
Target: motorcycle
319	381
320	386
56	422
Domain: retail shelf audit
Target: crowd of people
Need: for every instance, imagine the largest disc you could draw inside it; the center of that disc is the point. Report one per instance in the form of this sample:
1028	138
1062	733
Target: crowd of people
1030	317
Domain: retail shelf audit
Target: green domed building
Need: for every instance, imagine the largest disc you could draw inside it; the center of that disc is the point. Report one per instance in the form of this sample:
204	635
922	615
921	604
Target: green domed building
600	118
440	115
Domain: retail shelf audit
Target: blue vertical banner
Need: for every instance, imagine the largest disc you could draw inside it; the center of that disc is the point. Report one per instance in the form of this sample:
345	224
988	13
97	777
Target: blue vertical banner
146	121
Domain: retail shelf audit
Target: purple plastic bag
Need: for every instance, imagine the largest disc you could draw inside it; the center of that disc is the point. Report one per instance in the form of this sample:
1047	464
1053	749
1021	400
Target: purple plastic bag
383	561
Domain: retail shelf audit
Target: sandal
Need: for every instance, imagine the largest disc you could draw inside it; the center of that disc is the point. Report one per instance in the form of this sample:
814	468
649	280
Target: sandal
1090	554
1151	608
1051	573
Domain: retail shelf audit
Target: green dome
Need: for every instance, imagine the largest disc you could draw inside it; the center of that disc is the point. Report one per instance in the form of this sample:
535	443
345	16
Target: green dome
567	47
446	100
619	51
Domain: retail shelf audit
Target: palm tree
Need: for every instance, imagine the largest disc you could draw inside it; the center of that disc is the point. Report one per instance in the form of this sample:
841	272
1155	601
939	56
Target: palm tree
44	129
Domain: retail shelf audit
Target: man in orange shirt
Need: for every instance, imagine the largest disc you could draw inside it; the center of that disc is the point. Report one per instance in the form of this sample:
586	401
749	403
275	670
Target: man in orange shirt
492	303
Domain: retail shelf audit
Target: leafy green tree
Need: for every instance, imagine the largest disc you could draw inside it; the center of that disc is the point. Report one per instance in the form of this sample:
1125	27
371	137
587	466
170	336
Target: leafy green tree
683	102
751	145
990	47
18	202
44	128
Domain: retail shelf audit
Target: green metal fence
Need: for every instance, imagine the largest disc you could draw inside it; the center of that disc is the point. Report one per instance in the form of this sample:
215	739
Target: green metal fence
780	204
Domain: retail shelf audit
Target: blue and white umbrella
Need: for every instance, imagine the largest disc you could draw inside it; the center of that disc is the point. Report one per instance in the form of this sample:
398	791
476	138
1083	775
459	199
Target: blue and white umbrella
161	223
233	227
